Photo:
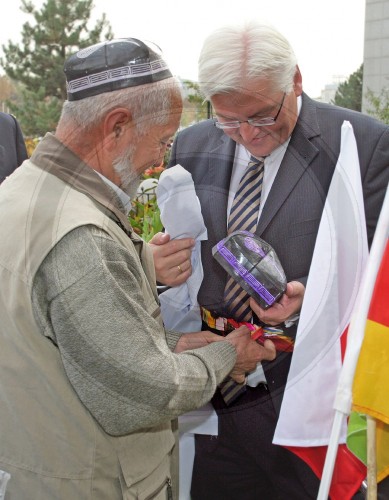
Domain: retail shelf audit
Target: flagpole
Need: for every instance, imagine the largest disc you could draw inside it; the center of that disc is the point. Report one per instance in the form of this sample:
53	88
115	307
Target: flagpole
371	459
343	399
332	451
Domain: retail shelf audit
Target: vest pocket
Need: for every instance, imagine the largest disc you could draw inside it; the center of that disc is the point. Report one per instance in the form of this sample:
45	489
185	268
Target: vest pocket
144	460
156	486
163	492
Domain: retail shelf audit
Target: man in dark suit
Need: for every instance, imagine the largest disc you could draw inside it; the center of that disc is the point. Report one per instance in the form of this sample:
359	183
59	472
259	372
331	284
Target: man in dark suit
250	75
12	147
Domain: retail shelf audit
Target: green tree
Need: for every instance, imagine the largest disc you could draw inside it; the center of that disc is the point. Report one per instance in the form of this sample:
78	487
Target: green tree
349	93
59	29
195	108
38	112
8	91
379	104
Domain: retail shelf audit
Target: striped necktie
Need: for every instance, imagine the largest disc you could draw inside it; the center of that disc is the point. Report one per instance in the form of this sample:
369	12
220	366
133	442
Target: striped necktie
243	217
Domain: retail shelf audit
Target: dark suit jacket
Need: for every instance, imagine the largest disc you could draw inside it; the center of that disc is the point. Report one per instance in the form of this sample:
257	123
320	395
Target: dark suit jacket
12	147
291	214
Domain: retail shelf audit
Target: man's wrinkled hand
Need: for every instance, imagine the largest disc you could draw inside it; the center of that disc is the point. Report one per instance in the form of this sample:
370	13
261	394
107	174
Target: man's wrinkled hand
195	340
289	304
172	259
249	352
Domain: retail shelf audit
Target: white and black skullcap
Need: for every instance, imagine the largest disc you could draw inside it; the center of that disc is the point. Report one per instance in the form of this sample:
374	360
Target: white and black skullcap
113	65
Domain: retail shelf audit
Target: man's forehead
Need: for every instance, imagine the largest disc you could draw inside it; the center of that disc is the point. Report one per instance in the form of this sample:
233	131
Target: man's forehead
246	99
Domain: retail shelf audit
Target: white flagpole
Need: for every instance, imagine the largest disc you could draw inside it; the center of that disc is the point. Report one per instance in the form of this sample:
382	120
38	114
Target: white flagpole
343	399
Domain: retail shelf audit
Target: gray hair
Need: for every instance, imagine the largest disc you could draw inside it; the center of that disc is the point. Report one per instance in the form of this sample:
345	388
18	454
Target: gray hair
150	104
235	54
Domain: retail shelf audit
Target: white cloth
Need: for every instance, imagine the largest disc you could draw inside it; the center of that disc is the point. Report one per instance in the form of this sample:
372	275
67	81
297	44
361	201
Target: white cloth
181	217
201	421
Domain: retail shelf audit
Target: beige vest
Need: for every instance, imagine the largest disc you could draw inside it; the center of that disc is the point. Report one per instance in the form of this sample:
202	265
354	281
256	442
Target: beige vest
49	442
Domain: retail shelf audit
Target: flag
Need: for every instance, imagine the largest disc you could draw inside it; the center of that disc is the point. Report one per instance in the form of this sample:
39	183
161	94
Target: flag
356	333
370	387
338	262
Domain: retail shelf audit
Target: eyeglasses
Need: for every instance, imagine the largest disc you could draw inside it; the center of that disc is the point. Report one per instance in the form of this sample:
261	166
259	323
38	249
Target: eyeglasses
254	122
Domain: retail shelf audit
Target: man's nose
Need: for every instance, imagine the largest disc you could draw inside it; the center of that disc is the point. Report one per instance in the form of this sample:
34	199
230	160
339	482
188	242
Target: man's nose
247	131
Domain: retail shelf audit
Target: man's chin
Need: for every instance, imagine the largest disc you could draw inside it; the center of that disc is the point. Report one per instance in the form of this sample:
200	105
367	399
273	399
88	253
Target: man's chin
130	180
131	187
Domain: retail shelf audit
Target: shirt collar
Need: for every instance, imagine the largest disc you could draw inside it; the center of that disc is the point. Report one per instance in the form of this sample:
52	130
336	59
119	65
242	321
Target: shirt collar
124	198
54	157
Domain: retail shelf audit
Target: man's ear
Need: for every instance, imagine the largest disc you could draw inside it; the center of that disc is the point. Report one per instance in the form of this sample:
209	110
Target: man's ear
298	82
117	123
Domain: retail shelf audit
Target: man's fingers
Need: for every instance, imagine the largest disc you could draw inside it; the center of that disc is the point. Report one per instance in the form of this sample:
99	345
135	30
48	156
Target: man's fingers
169	248
270	350
238	378
180	276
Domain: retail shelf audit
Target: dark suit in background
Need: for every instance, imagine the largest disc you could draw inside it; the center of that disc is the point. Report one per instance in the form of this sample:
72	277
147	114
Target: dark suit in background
12	147
289	222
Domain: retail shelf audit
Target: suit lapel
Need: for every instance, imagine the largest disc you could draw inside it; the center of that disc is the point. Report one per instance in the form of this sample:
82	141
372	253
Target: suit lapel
218	177
298	157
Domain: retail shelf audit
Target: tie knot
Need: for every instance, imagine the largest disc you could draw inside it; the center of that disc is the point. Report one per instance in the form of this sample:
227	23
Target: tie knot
255	160
256	163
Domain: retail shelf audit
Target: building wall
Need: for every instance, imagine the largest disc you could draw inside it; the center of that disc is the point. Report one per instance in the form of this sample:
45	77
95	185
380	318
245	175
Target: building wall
328	93
376	49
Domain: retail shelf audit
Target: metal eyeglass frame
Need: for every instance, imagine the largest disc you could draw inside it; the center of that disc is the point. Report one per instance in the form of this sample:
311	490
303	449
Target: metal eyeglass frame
254	122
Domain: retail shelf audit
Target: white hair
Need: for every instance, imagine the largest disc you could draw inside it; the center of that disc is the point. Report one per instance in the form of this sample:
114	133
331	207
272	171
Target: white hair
150	104
235	54
123	166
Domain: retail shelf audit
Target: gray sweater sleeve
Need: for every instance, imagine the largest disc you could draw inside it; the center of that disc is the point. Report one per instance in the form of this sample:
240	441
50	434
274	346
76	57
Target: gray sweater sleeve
87	299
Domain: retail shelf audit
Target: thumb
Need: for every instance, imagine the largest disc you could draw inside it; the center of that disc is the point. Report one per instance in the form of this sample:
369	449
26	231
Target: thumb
160	239
290	289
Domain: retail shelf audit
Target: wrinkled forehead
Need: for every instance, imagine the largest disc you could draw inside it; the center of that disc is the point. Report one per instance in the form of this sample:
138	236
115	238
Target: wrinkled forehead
260	90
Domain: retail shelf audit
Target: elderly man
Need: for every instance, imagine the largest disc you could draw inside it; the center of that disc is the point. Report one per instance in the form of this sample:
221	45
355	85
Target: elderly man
264	164
90	380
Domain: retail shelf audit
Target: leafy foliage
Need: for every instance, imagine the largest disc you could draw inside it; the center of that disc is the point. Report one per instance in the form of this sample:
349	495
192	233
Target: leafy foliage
60	28
8	90
145	216
349	93
31	144
38	113
379	105
195	108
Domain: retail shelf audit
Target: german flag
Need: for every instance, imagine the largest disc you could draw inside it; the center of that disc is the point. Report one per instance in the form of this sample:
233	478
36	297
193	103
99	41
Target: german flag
371	381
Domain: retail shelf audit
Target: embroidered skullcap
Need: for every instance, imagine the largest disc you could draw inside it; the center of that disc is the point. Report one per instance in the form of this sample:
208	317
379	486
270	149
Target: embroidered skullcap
113	65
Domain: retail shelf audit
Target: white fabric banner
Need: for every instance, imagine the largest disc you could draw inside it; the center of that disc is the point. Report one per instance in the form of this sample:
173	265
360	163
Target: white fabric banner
336	271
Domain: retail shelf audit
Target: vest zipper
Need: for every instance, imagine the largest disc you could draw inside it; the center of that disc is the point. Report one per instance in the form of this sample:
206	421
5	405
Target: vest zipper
169	489
168	484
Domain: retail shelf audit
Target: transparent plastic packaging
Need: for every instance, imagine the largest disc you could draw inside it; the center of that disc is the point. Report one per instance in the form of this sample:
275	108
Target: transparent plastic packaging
253	263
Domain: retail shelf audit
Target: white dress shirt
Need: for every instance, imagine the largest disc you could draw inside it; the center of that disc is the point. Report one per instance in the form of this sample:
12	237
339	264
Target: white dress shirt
272	164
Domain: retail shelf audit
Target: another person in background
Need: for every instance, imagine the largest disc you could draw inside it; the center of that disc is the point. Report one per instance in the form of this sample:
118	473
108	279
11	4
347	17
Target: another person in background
90	381
13	150
250	75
